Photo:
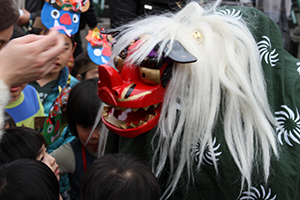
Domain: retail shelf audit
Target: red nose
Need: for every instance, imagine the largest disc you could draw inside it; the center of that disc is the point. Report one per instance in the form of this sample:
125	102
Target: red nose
65	19
110	78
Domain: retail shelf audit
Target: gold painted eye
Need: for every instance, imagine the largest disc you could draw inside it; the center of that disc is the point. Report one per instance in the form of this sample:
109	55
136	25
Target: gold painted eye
150	76
196	35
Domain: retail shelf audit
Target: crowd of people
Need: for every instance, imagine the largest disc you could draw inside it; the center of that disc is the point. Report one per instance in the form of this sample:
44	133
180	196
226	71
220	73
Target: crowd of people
47	114
64	133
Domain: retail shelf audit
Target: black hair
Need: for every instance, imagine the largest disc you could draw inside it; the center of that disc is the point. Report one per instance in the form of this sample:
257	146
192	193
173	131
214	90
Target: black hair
119	176
9	14
72	39
8	120
83	104
26	179
79	62
20	142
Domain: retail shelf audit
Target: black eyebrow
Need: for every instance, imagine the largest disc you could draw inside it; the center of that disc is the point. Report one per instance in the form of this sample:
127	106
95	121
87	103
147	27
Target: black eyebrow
129	91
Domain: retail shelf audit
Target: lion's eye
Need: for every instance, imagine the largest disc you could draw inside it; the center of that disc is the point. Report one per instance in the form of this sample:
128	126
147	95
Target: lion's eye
119	63
150	76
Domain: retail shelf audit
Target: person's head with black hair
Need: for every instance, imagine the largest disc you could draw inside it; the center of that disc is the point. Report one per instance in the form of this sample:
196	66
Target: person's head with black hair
22	142
84	68
82	109
9	121
9	16
119	176
70	44
26	179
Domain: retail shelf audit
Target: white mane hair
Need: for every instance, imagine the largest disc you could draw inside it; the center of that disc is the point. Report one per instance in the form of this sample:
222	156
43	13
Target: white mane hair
226	83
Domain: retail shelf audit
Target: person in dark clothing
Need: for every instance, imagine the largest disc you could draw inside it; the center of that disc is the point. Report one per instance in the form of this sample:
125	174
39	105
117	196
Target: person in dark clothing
27	179
76	156
122	12
31	9
89	17
119	176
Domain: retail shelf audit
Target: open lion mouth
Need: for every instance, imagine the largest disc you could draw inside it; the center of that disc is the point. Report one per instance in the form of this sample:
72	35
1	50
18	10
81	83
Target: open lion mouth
126	118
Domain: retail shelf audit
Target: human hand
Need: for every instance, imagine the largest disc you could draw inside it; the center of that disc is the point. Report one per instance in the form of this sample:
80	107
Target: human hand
24	18
30	57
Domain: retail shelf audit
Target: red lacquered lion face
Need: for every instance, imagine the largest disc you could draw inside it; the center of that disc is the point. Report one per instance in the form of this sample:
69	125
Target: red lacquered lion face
135	93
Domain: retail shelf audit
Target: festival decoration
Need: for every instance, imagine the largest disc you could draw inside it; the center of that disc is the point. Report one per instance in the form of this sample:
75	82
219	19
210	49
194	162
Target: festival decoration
99	46
64	15
135	93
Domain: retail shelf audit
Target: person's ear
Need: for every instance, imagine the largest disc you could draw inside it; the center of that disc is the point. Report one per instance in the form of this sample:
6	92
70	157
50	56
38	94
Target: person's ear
74	47
78	76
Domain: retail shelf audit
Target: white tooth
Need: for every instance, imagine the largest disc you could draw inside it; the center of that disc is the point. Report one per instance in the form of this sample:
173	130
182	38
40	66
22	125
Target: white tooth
124	126
132	125
134	109
146	108
114	121
104	113
155	105
141	122
149	117
56	23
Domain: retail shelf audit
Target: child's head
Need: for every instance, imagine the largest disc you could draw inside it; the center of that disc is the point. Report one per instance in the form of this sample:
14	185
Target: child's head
119	176
82	109
9	16
70	45
22	142
63	58
25	179
9	122
84	68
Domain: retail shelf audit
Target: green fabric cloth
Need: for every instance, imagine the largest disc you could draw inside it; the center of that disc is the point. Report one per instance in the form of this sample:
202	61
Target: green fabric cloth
44	90
282	74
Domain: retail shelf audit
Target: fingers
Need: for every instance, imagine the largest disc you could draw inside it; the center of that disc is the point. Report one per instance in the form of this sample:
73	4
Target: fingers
37	55
41	43
47	67
28	39
54	50
43	49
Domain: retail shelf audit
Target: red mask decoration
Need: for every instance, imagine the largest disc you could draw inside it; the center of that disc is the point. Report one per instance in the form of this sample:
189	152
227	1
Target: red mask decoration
135	94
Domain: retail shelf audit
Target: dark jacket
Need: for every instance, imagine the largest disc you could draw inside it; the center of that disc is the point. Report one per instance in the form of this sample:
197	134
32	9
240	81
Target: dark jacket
122	12
34	7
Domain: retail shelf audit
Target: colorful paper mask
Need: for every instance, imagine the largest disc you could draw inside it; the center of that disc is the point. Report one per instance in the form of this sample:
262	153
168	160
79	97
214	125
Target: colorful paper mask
63	15
135	93
74	5
52	124
99	46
